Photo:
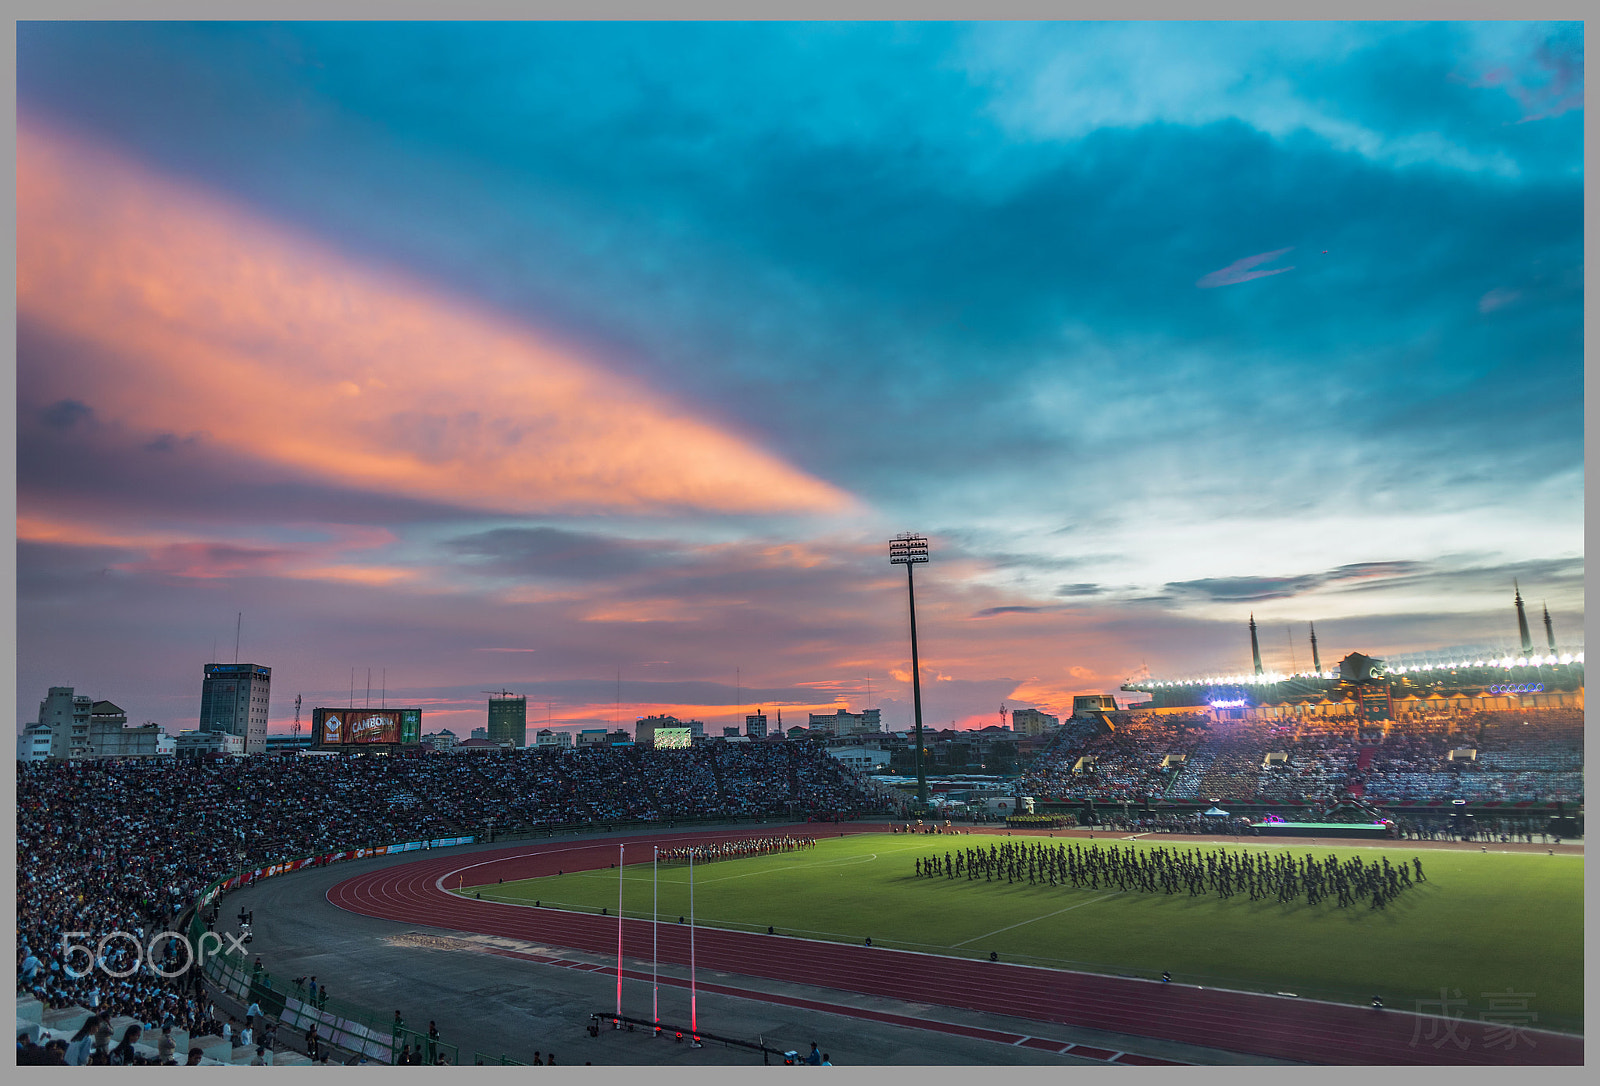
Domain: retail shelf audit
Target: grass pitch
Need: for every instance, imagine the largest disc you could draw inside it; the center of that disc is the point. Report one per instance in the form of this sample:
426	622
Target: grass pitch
1502	927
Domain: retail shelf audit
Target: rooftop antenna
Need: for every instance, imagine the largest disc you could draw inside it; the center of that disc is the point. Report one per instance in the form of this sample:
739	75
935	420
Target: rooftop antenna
384	694
238	627
369	688
738	694
297	716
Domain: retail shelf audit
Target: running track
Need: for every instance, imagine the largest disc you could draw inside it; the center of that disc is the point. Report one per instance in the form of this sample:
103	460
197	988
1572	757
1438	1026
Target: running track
1302	1030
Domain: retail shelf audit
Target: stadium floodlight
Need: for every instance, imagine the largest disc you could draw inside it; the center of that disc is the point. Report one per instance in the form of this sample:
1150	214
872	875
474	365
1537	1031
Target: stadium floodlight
909	550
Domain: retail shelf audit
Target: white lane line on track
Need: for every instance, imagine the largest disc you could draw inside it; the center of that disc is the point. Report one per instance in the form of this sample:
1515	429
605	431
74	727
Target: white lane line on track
1035	920
653	841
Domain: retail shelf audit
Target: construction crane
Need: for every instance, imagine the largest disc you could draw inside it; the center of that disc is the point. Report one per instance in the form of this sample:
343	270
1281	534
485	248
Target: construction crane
297	716
499	693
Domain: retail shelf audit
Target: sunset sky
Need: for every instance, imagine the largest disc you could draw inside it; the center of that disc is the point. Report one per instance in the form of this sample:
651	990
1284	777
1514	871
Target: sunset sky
599	362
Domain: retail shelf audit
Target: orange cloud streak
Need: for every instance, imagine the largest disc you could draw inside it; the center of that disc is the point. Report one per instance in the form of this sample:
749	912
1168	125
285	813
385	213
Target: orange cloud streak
173	554
305	358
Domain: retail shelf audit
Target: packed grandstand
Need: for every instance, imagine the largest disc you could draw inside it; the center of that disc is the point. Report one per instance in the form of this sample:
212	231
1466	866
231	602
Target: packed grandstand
129	845
1518	756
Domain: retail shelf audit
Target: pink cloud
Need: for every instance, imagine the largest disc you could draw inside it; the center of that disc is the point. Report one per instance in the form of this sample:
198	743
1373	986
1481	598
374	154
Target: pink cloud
391	386
1239	271
1552	84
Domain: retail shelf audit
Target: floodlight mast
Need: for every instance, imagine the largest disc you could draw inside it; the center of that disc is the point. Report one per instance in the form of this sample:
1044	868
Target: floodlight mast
907	549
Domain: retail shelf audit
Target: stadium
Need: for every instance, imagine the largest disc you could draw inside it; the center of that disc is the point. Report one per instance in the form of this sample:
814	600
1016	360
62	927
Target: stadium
1388	881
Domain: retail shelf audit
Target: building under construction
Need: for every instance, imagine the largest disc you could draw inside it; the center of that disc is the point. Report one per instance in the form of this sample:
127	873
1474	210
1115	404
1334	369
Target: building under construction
508	718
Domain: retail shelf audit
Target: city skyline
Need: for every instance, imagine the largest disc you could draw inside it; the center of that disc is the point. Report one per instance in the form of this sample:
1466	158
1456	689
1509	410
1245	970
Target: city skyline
548	356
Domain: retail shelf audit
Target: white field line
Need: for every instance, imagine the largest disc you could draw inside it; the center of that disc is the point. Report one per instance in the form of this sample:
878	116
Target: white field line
1036	919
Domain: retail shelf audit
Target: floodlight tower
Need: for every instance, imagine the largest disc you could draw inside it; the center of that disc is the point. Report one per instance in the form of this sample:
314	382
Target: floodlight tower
907	550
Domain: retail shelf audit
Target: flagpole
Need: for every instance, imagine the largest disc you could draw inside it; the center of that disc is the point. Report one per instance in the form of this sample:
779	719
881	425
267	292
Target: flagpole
655	925
620	850
694	1028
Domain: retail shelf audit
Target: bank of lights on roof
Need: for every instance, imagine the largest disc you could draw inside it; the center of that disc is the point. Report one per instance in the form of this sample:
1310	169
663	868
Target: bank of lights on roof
1504	662
905	549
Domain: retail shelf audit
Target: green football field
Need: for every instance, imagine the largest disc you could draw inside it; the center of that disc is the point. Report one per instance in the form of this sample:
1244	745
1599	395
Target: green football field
1485	926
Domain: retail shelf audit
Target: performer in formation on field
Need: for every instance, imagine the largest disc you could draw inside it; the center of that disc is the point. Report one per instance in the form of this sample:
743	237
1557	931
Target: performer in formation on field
736	850
1283	876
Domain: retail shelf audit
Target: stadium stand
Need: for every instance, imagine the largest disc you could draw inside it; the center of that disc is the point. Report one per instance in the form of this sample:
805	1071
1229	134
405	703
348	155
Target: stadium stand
1522	756
127	846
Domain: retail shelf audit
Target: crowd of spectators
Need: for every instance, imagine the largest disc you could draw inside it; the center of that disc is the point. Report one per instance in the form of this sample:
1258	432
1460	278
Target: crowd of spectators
127	846
1522	755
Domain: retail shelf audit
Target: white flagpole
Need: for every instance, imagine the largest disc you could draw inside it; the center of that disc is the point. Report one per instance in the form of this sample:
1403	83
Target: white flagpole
694	1029
620	850
655	925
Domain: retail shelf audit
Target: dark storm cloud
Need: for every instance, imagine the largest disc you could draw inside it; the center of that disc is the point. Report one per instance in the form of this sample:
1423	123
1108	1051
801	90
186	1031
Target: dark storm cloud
1454	574
1251	589
561	553
1244	589
990	612
1448	575
164	443
65	414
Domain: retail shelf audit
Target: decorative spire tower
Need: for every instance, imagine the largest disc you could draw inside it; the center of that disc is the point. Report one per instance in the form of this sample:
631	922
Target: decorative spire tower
1549	630
1255	646
1316	661
1522	620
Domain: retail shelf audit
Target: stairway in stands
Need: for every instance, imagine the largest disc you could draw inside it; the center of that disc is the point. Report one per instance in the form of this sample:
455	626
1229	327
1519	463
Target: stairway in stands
716	775
1356	785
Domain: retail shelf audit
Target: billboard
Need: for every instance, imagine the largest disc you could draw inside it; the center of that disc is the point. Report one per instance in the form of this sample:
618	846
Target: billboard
361	727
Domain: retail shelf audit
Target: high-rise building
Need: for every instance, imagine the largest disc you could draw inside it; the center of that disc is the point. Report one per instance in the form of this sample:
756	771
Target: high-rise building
755	725
548	739
645	728
1032	722
508	719
844	722
234	699
33	745
67	717
110	736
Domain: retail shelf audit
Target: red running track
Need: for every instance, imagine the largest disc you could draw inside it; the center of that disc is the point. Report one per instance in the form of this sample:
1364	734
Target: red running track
1302	1030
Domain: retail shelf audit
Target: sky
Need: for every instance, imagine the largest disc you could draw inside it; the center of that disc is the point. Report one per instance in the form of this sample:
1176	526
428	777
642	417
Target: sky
599	362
